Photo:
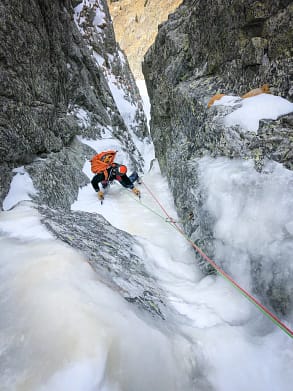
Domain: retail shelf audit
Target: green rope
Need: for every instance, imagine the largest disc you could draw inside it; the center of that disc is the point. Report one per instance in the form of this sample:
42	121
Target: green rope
144	205
221	272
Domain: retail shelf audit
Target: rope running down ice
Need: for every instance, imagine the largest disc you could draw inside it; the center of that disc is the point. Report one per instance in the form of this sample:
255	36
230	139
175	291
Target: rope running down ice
221	272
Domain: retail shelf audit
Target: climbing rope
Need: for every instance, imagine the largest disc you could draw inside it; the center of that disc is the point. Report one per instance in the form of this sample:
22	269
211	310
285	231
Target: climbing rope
220	271
139	201
165	219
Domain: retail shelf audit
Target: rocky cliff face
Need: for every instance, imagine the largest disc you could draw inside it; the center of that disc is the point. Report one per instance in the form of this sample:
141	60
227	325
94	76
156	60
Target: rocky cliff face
50	72
209	47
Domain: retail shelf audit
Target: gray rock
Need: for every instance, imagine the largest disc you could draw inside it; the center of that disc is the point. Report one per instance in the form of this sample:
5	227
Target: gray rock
209	47
110	253
48	73
59	176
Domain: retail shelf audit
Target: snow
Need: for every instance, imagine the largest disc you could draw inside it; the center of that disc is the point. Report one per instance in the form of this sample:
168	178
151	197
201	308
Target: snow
253	214
98	58
81	115
98	19
254	109
20	189
145	99
23	223
62	328
126	108
128	112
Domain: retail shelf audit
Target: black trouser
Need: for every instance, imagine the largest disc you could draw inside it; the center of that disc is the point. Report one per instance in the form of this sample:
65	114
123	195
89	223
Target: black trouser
97	179
133	177
124	181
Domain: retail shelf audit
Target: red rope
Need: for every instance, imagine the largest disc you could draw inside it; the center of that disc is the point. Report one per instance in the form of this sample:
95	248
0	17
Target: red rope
268	313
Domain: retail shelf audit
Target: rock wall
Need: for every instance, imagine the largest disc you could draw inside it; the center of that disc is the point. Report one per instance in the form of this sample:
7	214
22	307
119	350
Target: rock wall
49	72
209	47
245	44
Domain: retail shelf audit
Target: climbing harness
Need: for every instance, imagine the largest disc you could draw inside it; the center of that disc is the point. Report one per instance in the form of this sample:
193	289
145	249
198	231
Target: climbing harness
221	272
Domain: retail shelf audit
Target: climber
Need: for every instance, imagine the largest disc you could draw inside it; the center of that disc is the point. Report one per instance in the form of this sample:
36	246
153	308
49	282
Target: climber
106	171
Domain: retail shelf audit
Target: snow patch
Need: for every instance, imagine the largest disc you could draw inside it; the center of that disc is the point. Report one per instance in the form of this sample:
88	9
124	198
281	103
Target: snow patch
254	109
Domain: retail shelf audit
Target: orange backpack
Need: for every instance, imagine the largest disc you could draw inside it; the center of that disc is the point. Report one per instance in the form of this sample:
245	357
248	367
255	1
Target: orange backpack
98	165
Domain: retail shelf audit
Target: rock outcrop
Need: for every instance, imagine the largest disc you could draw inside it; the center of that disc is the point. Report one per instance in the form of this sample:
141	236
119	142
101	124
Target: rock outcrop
218	47
110	253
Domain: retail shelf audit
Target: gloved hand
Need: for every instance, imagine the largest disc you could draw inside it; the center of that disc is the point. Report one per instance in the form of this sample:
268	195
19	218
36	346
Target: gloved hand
136	192
100	195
